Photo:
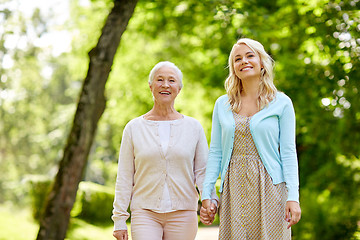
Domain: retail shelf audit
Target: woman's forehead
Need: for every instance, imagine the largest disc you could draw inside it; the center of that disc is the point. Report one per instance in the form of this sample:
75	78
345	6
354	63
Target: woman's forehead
242	49
168	71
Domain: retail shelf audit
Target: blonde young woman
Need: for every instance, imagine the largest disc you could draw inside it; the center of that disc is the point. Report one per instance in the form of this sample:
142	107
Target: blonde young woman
162	159
253	149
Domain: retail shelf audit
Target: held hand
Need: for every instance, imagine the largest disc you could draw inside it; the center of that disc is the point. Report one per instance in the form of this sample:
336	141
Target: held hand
292	213
121	234
204	217
213	209
207	212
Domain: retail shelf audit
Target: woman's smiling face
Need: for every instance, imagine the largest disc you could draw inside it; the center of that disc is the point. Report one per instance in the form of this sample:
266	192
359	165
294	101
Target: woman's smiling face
165	85
246	62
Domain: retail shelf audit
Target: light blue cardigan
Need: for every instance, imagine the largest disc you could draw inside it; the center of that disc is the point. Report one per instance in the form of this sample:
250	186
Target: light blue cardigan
273	131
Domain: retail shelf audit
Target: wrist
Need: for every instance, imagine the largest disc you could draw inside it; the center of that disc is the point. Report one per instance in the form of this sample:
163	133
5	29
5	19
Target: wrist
215	202
206	202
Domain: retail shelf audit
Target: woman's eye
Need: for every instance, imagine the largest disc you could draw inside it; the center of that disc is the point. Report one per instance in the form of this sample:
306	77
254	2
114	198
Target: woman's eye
237	59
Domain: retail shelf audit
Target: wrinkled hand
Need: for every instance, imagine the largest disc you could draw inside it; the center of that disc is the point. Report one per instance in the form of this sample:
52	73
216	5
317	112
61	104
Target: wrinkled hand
121	234
207	212
292	213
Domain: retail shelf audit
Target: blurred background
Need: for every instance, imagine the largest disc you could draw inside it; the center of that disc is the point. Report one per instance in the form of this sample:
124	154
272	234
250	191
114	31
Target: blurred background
44	49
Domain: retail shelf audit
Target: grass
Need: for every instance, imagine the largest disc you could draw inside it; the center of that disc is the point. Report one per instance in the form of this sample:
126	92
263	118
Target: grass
18	224
81	230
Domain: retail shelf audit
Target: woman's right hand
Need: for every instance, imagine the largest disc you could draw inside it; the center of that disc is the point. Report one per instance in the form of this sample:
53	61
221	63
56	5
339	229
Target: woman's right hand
207	212
121	234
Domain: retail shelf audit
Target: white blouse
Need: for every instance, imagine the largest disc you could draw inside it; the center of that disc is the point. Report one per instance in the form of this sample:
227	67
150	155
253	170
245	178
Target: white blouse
164	134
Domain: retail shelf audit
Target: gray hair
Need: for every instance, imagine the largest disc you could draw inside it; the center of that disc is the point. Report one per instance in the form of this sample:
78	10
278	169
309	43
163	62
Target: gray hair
166	64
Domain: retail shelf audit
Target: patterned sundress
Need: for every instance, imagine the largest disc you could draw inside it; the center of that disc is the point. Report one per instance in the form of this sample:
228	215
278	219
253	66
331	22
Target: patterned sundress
251	206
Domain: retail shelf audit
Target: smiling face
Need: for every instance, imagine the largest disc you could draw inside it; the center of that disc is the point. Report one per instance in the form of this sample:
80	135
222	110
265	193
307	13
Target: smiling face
247	63
165	85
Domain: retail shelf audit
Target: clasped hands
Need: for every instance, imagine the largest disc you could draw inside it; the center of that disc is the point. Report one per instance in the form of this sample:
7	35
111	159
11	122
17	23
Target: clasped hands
207	212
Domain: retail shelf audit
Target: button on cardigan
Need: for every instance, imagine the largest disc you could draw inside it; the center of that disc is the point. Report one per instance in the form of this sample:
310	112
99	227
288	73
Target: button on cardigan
273	131
143	167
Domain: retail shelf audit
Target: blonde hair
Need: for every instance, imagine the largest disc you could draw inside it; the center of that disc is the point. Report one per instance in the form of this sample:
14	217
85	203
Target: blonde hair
233	84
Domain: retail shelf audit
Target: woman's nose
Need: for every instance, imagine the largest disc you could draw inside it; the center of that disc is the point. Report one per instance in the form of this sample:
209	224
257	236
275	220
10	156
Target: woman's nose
244	61
166	83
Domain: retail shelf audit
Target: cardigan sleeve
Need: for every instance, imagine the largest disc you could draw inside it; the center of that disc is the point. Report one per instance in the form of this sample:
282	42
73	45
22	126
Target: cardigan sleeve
215	154
124	181
288	154
201	156
200	159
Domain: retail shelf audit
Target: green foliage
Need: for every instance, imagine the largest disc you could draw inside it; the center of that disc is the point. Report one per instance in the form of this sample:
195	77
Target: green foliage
328	217
94	203
316	48
331	202
12	217
82	230
34	107
39	187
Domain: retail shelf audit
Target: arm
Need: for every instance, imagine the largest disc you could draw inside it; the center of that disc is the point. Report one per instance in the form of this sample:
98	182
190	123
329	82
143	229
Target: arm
290	165
288	151
201	157
124	184
215	154
200	164
208	208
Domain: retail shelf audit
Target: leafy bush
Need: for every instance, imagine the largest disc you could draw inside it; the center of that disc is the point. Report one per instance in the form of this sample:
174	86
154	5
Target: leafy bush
94	203
329	202
39	187
325	217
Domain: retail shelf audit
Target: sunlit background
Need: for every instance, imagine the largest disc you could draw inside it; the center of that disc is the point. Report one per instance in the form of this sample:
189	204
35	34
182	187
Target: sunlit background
44	59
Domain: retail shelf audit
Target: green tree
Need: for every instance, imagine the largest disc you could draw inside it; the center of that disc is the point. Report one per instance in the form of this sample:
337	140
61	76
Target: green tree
29	140
54	222
316	48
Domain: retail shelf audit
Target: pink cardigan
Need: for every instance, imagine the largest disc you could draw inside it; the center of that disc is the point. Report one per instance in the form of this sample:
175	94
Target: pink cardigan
143	169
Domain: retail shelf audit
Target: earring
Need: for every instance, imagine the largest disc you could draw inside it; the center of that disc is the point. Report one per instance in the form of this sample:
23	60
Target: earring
262	71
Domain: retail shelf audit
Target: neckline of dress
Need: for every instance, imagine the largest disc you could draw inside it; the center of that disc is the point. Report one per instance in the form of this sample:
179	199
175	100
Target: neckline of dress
243	115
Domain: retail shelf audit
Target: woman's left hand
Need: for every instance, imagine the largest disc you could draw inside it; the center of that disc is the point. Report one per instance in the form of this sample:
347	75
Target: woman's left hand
207	212
292	213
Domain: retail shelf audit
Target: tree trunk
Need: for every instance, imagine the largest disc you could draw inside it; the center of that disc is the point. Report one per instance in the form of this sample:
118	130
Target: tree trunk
54	222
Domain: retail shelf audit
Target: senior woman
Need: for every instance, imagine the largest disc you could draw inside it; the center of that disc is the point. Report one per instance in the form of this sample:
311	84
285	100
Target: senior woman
162	156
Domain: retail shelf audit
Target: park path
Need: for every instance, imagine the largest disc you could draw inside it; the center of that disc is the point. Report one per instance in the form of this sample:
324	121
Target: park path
207	233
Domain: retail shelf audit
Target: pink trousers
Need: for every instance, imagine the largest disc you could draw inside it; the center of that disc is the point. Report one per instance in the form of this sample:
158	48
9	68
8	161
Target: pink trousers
149	225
